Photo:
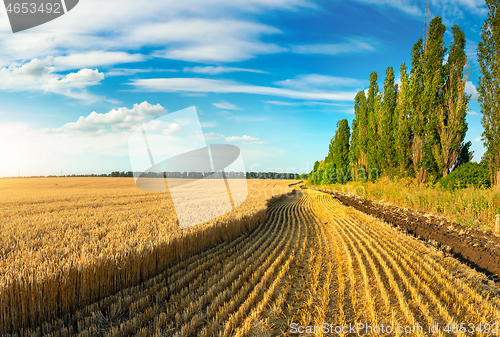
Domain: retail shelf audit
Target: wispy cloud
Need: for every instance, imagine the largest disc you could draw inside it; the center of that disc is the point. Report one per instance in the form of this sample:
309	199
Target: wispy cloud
351	46
318	82
94	59
259	142
202	85
191	30
473	113
407	6
210	70
242	138
226	106
301	103
213	135
207	124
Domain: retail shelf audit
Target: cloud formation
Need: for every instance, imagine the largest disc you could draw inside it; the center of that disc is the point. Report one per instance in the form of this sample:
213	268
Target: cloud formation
40	75
226	106
352	46
239	139
203	85
210	70
121	119
213	135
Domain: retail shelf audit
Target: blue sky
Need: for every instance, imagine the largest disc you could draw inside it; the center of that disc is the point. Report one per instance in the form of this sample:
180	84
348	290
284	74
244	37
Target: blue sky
270	76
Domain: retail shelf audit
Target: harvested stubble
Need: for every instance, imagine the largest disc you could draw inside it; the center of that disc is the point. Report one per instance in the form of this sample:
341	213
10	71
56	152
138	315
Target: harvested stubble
313	261
69	242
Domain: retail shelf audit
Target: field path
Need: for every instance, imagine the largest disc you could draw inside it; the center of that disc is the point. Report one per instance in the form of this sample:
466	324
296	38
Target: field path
314	261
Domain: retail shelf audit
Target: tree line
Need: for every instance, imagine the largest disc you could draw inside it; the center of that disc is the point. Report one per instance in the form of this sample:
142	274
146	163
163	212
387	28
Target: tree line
194	175
417	128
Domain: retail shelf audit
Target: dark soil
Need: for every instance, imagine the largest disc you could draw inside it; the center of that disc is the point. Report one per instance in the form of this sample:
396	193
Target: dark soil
479	249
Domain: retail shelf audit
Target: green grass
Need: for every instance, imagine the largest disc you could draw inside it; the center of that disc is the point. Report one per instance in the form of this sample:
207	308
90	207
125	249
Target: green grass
472	207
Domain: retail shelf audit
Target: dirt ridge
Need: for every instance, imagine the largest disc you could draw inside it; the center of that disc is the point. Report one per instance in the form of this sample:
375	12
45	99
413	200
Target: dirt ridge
479	249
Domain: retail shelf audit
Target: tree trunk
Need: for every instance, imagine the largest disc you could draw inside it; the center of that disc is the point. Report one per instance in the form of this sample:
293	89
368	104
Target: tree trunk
498	180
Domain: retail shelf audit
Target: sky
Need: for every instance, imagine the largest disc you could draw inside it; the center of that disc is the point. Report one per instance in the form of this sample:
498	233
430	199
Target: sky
272	77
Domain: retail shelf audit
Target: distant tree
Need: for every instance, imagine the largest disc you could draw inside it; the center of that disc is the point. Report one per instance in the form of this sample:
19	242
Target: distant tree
451	125
489	87
340	149
465	155
403	137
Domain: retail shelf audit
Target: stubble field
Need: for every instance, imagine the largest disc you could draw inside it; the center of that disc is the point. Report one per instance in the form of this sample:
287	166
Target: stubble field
310	261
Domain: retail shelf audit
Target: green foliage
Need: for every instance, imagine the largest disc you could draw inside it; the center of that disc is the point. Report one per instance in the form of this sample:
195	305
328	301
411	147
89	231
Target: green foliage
470	174
372	130
416	129
489	85
386	153
451	121
340	145
403	136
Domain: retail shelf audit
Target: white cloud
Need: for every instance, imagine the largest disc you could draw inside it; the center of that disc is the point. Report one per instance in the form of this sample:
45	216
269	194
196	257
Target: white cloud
455	8
207	124
470	89
318	82
213	135
477	139
242	138
403	5
94	59
202	85
226	106
206	31
353	46
447	8
39	75
300	103
210	70
473	113
118	120
260	142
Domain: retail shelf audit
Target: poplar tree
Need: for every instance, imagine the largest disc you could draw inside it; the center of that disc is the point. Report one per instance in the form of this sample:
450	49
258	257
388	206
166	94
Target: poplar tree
432	96
372	121
386	153
489	87
403	137
340	149
451	124
418	118
359	131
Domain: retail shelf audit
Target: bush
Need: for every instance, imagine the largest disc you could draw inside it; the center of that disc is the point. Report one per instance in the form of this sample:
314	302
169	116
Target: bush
472	174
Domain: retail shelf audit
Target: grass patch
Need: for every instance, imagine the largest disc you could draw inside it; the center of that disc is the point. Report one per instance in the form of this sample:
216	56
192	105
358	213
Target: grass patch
470	206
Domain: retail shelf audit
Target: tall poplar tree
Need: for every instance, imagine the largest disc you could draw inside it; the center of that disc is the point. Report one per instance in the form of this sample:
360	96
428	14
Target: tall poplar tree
340	149
418	119
359	131
386	153
432	96
403	137
451	125
489	87
372	121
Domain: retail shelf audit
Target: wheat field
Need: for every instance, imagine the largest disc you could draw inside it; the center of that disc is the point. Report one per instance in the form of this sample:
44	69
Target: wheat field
67	242
312	266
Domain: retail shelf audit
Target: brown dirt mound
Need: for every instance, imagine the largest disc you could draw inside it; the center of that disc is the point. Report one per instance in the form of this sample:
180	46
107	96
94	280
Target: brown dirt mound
479	249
